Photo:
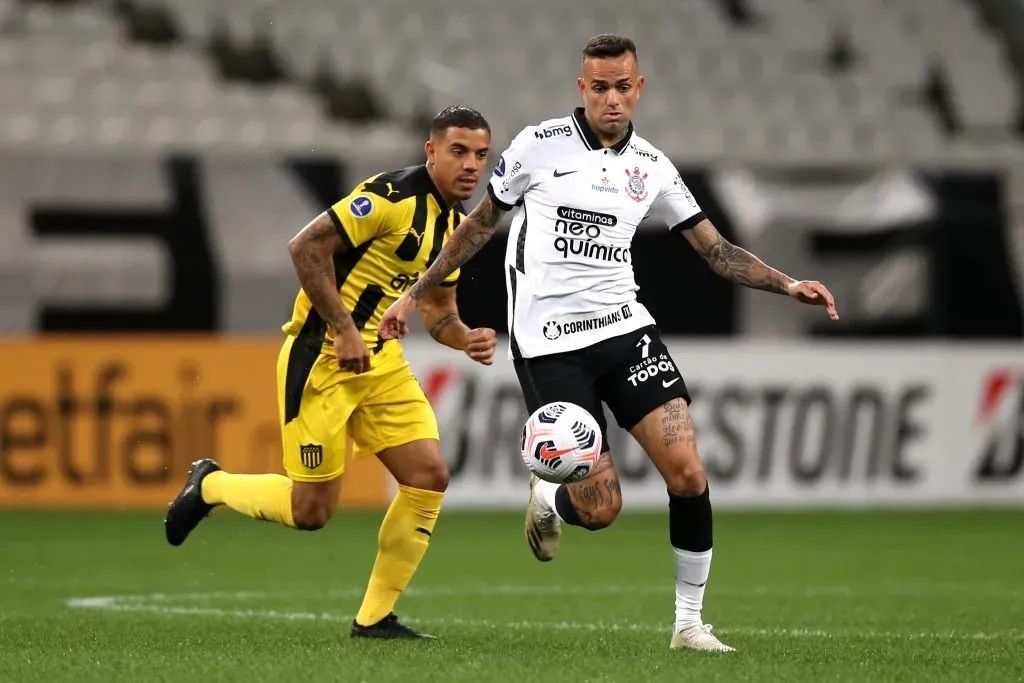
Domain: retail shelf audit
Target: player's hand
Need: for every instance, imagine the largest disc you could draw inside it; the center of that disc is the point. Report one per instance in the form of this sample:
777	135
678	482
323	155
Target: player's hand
351	351
394	324
480	343
815	293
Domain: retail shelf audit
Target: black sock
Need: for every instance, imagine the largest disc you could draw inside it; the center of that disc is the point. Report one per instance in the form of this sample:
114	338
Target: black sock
689	521
565	509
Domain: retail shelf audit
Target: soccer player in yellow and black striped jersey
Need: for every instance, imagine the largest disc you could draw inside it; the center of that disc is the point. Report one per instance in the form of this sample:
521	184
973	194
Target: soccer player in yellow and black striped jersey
338	380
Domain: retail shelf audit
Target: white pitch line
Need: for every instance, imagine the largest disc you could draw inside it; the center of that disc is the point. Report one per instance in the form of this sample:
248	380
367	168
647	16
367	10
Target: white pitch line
116	604
540	590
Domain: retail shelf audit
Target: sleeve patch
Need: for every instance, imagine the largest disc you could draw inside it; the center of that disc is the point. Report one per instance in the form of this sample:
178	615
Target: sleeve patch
361	206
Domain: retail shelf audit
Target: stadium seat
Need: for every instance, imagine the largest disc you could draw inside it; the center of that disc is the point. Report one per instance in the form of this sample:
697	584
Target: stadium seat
802	77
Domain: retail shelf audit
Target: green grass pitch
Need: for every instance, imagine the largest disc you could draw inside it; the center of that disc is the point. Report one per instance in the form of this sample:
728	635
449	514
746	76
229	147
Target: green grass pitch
860	596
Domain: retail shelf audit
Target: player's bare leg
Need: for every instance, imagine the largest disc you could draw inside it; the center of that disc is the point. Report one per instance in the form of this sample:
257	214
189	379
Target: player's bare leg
668	436
314	503
592	503
422	477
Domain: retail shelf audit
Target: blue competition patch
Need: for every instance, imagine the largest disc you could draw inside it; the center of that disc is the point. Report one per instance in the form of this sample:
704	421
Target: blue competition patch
499	170
361	207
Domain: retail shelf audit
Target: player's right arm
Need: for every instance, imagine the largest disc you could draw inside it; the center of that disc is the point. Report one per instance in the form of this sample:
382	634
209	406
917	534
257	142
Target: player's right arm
343	227
509	182
468	238
474	231
506	188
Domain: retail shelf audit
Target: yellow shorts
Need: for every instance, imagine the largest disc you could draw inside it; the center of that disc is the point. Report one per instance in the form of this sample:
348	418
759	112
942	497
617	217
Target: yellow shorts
322	406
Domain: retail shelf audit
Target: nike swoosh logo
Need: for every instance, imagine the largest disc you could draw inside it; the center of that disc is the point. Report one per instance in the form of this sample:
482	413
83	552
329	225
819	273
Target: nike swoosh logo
560	174
545	453
695	585
667	383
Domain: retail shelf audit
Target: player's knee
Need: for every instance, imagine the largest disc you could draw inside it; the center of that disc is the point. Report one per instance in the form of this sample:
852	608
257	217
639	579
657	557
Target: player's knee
311	518
686	478
602	517
310	513
433	476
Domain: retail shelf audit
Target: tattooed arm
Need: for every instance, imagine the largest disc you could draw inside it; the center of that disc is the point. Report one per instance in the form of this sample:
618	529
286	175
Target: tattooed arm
312	251
440	315
734	263
472	234
467	239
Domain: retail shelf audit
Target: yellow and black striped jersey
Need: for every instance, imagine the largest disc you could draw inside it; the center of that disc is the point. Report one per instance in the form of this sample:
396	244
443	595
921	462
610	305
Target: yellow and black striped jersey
393	227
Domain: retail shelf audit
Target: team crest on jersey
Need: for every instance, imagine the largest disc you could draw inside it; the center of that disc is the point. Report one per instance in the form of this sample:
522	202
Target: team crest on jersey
635	186
361	207
552	330
311	455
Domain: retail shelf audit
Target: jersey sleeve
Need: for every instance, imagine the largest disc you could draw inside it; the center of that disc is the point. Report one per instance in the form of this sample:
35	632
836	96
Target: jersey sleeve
452	279
675	204
512	174
359	217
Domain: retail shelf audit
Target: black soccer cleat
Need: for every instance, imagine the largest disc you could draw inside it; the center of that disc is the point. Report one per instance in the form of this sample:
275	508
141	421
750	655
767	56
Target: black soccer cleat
188	509
389	628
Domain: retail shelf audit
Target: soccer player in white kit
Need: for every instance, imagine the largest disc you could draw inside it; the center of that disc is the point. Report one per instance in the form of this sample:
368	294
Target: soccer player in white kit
578	187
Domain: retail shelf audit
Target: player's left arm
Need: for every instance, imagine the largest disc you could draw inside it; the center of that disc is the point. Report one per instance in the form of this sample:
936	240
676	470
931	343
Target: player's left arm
735	263
677	207
740	266
439	312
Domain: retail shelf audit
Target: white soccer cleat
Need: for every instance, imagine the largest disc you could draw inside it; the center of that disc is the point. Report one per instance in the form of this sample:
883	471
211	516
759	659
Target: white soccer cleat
699	637
543	528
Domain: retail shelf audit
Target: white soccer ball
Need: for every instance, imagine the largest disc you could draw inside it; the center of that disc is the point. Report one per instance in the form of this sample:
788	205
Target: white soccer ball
561	442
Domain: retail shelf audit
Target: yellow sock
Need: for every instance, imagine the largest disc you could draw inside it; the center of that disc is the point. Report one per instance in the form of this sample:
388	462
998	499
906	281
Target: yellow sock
260	496
402	542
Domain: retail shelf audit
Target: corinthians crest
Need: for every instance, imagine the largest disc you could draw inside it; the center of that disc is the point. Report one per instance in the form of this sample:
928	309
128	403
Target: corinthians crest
551	330
635	186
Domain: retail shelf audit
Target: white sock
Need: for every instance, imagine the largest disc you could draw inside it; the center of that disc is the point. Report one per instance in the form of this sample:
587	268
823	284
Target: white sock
692	570
545	490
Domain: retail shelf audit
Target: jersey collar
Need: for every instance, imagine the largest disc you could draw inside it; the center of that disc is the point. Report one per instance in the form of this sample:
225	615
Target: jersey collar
590	138
427	186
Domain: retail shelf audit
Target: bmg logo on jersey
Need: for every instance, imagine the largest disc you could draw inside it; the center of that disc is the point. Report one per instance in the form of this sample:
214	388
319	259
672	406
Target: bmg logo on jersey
644	153
578	230
553	131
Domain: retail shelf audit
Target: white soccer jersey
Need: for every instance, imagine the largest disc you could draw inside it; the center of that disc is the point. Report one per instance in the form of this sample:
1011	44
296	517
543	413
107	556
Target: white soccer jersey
568	266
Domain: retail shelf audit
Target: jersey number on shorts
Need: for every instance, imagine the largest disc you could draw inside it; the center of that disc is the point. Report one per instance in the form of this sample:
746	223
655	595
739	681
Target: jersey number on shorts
644	345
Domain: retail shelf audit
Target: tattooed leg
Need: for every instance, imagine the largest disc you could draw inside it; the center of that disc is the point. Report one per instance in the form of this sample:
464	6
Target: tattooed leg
668	436
597	499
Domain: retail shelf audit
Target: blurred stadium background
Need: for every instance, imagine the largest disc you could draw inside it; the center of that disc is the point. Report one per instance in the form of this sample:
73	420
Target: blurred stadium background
157	155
